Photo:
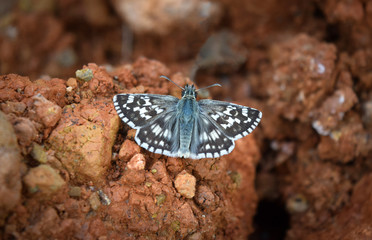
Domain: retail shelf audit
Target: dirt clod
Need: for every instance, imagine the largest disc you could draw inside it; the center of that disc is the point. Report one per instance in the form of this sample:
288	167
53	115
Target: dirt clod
10	172
185	184
137	162
128	149
83	139
44	180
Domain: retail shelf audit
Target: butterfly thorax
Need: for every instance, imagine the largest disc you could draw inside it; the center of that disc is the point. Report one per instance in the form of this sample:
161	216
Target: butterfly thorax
187	111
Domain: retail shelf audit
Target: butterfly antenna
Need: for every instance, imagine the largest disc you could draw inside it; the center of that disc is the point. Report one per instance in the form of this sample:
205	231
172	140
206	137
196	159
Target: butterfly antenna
213	85
162	76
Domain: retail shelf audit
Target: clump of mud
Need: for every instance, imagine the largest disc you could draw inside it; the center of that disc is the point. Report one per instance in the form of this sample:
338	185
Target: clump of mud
85	176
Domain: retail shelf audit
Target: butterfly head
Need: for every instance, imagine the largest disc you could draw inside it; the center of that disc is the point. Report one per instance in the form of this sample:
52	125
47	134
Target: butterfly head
189	91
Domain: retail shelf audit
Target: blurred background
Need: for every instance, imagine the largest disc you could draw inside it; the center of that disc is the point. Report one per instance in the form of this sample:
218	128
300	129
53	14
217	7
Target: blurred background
306	64
55	37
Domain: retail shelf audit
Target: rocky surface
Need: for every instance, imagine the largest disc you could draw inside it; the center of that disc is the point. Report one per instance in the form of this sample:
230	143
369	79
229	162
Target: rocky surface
10	171
84	138
86	163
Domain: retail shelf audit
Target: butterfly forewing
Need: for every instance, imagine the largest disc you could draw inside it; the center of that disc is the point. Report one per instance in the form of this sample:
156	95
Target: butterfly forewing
138	110
235	121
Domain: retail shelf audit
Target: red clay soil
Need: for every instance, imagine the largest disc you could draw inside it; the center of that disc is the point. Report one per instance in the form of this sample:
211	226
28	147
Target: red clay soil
70	169
89	179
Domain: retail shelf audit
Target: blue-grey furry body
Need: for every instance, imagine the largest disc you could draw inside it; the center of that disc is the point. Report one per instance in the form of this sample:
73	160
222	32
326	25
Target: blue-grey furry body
187	112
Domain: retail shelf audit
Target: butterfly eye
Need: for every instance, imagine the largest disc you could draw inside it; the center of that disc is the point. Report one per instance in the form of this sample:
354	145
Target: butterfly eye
196	94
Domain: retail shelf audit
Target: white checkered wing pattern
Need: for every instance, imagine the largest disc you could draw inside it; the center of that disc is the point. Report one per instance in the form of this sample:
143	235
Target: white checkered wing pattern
154	117
218	125
138	110
235	121
209	141
161	135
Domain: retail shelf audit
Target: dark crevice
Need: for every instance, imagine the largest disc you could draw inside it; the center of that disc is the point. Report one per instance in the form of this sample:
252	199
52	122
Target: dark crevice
318	13
332	33
271	221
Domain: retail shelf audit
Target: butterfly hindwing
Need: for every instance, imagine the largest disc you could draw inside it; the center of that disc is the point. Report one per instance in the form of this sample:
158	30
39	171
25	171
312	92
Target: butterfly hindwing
137	110
161	135
208	140
235	121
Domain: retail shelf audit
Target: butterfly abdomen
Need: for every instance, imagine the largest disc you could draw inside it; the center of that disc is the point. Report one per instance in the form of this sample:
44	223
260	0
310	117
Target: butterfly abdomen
187	109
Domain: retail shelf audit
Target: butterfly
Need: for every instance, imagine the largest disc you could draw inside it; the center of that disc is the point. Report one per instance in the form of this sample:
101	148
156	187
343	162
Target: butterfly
185	127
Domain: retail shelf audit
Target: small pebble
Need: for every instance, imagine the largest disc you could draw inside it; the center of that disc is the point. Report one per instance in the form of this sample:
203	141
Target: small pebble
137	162
74	191
85	74
94	201
185	184
297	204
160	199
38	153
